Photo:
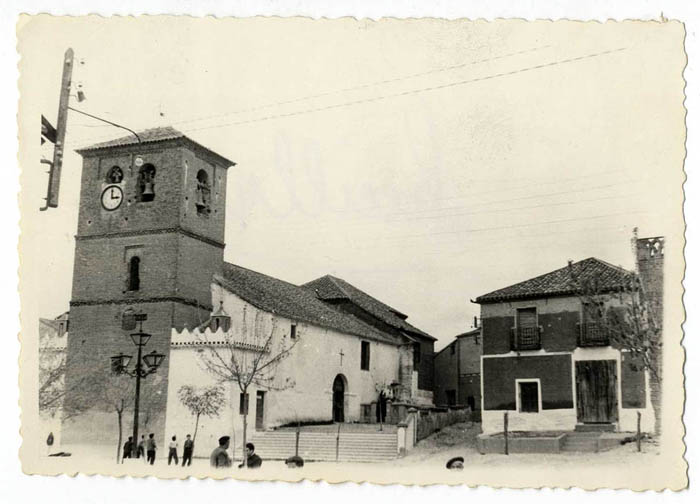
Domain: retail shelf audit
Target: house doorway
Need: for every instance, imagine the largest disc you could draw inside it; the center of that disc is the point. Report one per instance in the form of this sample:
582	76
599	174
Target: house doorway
260	410
339	399
596	391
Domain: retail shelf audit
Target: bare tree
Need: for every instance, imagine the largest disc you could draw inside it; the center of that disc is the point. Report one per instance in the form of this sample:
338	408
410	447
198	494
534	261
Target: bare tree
248	358
54	389
52	371
115	392
206	401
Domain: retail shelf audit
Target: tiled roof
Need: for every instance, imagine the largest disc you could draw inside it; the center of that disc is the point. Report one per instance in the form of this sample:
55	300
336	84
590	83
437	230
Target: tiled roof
293	302
560	282
330	288
150	136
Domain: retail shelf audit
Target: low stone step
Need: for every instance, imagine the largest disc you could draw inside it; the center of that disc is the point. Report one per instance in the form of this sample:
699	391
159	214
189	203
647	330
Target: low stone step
602	427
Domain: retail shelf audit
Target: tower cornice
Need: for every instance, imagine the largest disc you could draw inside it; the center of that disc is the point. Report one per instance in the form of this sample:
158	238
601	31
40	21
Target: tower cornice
146	232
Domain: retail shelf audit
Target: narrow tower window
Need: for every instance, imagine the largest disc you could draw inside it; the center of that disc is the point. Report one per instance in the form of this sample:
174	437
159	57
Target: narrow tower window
203	193
134	273
147	183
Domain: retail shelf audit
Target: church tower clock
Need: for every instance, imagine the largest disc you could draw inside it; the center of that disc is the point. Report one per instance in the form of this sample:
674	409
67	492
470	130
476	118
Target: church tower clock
150	239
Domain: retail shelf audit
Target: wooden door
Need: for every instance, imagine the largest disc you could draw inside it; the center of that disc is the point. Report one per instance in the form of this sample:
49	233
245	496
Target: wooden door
260	411
338	399
596	391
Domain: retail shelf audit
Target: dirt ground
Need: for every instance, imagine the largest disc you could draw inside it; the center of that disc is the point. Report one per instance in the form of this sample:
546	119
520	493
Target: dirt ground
619	467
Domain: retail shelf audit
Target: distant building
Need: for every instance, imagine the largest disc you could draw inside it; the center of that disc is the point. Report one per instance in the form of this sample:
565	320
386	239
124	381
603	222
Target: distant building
458	372
549	366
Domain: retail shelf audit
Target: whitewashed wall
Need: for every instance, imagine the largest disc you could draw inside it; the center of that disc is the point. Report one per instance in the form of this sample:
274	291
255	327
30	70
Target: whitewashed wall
312	367
566	419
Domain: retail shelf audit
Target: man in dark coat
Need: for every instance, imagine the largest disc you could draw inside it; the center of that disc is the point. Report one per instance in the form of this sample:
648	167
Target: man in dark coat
219	458
252	460
187	448
151	448
381	407
128	448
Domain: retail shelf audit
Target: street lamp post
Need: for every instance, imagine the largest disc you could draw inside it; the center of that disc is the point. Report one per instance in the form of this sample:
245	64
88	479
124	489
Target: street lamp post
152	360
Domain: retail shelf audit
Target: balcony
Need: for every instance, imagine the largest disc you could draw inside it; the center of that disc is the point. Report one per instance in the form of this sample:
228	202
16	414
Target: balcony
526	338
592	334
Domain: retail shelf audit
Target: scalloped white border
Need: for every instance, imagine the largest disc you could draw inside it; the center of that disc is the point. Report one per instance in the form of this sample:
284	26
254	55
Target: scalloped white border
16	486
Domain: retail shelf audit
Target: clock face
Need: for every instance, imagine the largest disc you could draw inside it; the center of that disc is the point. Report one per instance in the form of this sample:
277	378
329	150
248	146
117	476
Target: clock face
112	197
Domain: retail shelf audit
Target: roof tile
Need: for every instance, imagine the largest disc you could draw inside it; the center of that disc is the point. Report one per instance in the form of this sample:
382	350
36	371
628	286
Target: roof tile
294	302
331	288
559	282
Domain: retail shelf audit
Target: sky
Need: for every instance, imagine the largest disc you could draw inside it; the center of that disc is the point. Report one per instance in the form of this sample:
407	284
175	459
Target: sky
426	162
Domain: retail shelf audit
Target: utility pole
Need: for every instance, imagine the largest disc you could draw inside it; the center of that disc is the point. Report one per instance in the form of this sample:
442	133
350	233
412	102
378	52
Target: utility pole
59	135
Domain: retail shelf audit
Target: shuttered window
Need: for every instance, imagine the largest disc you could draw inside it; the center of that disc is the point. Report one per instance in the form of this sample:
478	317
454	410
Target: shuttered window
527	317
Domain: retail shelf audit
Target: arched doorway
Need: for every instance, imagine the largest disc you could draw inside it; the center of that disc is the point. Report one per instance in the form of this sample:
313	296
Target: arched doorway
339	399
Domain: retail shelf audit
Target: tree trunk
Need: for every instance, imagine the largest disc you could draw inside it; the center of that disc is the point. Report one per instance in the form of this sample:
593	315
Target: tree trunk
119	442
245	428
196	426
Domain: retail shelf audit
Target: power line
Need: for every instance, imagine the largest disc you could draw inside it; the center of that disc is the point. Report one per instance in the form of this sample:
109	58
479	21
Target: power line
498	228
410	92
364	86
491	181
501	210
399	94
479	204
520	198
342	90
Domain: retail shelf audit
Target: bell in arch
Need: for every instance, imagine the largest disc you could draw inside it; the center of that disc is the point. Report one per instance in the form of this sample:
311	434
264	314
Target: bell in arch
148	189
201	202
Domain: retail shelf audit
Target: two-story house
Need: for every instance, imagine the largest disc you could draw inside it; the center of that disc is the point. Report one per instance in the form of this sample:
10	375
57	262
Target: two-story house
458	371
552	366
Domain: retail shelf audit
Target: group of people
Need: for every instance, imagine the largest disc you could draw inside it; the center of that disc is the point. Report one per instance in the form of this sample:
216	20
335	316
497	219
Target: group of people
147	448
220	459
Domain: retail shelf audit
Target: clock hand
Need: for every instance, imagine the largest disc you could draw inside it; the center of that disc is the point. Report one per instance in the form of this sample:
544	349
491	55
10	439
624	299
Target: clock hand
112	194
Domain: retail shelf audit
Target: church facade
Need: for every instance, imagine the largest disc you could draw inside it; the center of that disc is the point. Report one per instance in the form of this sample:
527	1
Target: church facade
150	240
335	369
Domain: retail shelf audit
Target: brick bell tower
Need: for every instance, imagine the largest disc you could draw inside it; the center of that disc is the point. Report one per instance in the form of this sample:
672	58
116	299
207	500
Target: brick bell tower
150	238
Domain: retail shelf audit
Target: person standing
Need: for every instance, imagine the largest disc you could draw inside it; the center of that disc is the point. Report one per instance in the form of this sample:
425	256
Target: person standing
188	448
252	460
219	457
128	448
151	449
172	451
141	448
381	407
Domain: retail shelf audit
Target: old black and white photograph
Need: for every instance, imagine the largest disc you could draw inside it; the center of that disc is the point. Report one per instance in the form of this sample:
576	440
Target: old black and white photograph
409	251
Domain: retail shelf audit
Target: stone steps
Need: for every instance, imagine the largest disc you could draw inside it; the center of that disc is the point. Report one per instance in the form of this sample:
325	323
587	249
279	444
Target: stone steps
353	447
603	427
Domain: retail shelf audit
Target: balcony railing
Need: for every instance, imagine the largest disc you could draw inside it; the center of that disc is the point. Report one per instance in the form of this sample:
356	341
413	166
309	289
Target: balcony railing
526	338
593	334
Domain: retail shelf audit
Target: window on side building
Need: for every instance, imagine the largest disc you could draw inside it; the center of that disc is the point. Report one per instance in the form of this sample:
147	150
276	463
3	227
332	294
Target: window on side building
364	356
416	354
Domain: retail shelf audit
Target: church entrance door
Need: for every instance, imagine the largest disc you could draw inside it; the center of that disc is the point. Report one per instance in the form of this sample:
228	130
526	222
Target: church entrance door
339	399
